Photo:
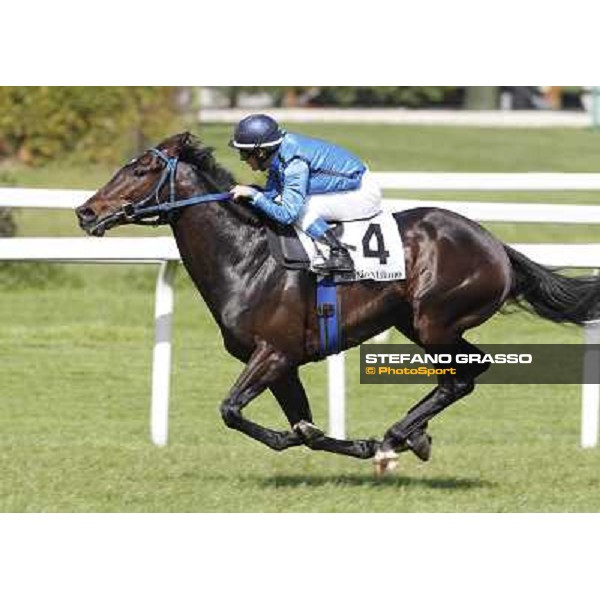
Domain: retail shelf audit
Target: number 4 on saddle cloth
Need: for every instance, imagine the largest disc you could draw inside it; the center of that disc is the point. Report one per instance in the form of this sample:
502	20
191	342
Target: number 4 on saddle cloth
376	248
374	244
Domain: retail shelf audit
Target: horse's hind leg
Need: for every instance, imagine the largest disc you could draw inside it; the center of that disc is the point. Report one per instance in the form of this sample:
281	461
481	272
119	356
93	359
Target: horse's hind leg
450	388
291	396
419	442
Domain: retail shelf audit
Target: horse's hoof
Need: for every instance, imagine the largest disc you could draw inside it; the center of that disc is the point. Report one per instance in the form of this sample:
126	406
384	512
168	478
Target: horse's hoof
385	462
368	447
420	444
308	431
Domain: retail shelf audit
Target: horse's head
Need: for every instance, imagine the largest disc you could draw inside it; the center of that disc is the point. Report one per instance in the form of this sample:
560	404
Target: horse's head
143	182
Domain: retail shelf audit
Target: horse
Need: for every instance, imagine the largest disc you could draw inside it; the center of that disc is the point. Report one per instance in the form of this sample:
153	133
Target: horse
457	276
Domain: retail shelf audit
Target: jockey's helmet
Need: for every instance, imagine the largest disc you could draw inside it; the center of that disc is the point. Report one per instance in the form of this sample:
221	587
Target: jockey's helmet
255	132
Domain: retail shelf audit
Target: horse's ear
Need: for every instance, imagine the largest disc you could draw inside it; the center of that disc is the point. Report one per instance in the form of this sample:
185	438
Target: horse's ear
188	142
185	139
179	141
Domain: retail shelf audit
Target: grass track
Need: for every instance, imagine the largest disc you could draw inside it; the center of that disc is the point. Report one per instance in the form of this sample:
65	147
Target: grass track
75	416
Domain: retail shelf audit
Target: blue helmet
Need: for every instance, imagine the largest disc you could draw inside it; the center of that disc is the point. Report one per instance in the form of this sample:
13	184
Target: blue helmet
257	131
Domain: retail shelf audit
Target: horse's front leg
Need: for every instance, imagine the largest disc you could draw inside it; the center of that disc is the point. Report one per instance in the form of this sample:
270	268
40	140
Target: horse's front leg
291	396
266	366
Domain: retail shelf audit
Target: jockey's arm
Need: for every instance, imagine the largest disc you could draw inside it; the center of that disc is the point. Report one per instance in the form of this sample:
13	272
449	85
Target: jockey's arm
285	208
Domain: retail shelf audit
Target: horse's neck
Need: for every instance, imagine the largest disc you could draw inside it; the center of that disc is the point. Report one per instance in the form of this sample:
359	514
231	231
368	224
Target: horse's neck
225	254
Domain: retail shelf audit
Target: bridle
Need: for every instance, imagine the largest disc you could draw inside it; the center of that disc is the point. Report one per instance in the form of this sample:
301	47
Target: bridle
151	210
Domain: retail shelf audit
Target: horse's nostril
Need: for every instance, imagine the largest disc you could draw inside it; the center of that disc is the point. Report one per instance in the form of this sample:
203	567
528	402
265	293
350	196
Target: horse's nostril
85	214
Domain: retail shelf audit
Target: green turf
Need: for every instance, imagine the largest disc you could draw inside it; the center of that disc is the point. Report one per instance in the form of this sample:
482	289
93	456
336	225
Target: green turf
76	357
74	427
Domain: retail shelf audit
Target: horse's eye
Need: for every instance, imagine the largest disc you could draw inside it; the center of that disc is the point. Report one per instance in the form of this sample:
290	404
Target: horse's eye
141	171
142	166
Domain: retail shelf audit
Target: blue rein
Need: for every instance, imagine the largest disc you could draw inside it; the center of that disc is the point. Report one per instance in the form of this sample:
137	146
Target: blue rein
167	207
142	210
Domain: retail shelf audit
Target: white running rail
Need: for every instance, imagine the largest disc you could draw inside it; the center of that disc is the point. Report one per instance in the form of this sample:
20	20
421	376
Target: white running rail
164	252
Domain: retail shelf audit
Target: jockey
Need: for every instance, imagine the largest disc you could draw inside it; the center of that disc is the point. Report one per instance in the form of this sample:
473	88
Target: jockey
310	182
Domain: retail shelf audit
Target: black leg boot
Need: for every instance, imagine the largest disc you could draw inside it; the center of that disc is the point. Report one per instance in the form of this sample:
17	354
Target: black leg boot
339	260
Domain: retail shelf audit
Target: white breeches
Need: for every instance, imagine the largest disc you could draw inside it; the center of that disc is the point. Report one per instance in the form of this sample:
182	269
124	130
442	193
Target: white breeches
361	203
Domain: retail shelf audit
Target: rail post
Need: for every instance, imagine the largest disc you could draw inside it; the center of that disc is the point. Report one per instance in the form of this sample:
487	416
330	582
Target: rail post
336	383
590	397
161	361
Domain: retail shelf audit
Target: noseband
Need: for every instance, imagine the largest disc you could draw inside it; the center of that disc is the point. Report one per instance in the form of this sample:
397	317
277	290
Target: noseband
150	210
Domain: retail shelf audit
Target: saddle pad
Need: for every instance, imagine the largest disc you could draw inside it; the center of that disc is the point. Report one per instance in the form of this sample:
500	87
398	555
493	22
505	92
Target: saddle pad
374	244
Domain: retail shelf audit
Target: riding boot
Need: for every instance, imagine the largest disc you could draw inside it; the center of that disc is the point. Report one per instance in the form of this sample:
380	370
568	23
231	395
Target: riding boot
339	260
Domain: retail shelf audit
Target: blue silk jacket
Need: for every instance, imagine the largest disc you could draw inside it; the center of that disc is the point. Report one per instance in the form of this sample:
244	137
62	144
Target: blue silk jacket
302	167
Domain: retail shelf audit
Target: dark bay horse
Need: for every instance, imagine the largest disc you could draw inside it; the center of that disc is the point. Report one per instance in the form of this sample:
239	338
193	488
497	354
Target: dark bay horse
457	276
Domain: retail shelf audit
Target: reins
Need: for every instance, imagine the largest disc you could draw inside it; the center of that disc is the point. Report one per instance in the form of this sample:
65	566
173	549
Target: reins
157	213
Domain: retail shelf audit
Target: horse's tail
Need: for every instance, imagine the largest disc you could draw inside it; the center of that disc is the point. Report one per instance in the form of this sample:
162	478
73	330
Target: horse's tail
551	295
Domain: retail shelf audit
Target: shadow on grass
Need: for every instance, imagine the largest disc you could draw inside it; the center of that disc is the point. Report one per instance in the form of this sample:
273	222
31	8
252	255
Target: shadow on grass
369	481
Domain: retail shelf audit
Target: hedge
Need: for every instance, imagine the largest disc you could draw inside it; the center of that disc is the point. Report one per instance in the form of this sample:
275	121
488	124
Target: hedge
101	124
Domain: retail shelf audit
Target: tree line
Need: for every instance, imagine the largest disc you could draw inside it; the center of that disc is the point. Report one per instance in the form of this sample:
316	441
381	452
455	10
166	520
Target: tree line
101	124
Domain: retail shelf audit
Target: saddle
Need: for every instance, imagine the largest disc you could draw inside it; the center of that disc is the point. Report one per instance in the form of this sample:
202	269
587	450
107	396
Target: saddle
375	246
287	249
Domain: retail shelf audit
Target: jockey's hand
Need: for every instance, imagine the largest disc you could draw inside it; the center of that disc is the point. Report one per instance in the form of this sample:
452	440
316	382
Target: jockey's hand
242	192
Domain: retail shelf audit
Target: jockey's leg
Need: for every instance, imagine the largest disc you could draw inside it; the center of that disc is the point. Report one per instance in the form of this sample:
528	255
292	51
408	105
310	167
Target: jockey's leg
361	203
339	260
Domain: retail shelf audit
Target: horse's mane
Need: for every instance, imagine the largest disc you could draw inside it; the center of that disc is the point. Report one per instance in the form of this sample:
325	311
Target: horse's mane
219	179
194	153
